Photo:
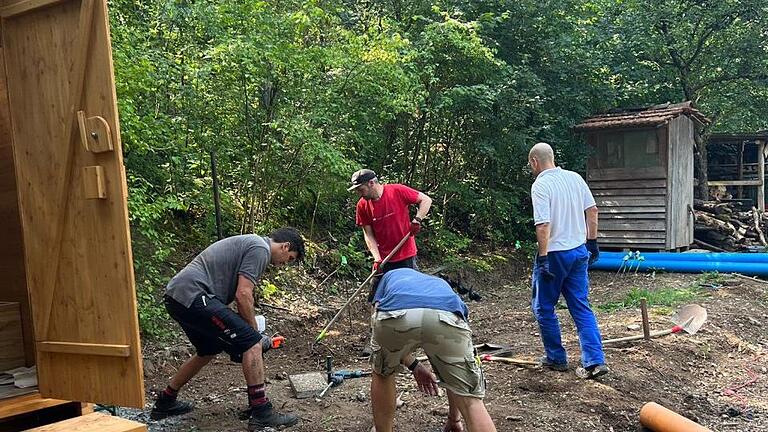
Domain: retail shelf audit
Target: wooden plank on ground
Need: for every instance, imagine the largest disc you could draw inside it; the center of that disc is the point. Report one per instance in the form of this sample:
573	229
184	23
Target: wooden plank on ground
94	422
27	403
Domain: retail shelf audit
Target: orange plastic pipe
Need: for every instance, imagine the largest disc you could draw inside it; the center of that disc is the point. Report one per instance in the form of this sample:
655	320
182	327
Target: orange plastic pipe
659	419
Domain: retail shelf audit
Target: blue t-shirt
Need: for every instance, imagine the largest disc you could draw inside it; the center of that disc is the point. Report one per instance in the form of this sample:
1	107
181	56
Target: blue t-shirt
410	289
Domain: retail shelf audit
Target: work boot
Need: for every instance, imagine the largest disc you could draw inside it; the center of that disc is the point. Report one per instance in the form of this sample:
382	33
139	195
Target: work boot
167	407
595	371
265	416
546	363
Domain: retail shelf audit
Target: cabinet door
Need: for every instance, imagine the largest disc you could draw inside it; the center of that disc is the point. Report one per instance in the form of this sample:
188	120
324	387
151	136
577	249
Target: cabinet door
72	199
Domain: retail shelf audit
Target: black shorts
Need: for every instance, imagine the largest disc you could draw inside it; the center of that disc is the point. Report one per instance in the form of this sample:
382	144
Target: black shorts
212	327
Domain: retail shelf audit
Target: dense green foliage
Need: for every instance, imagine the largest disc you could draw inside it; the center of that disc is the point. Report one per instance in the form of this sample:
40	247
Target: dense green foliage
446	95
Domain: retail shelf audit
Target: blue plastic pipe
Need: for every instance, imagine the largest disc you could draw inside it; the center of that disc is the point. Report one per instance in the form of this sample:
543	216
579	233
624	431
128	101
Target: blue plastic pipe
691	256
682	266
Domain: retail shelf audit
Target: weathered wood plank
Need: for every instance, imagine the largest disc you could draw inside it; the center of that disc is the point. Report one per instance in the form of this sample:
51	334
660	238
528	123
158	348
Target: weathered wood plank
630	192
632	246
625	201
631	209
638	225
734	183
630	216
631	235
618	184
627	173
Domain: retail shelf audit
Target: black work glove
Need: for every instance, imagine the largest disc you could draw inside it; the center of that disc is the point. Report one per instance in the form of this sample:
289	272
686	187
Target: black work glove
542	266
594	250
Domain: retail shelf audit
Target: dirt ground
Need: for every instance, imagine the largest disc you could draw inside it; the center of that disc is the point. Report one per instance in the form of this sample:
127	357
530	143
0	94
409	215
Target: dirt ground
717	377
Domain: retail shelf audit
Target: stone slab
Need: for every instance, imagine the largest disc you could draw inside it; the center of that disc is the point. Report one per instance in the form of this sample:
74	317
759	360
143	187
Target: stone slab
307	385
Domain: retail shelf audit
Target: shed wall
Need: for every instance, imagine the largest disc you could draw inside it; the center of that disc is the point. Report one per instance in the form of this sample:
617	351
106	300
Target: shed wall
680	197
632	201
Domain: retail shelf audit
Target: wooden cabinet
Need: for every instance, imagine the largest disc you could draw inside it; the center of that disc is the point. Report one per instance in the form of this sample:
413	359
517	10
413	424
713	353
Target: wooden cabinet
65	254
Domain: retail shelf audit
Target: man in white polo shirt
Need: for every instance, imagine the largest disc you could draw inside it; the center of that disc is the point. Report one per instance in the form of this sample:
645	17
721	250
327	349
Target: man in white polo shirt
565	215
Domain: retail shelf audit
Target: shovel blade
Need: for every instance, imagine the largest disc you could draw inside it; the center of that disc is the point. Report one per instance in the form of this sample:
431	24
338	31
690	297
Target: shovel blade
690	317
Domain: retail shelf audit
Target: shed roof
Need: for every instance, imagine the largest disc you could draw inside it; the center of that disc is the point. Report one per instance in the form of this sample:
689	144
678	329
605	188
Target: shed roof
724	138
642	117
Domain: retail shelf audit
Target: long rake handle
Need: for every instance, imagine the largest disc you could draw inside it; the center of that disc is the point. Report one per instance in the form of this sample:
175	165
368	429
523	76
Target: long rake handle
335	318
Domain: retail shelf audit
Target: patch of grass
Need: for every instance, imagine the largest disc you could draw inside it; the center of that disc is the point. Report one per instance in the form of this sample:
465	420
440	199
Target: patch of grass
661	297
711	278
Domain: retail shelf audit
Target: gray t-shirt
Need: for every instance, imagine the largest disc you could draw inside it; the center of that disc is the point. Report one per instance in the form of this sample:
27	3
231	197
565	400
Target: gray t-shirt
215	271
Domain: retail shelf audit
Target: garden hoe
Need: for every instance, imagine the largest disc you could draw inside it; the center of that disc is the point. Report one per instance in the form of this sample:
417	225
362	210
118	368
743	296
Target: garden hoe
333	320
688	319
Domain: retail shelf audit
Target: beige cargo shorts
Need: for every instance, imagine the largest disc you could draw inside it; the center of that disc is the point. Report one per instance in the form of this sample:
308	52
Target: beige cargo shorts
444	336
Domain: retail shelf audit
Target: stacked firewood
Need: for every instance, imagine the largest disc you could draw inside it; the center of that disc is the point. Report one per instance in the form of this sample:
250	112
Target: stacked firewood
721	226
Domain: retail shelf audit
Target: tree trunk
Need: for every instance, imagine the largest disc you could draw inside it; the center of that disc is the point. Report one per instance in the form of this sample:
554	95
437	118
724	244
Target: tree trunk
700	158
216	195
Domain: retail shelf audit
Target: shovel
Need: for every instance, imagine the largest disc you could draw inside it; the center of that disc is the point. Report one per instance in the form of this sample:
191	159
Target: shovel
688	319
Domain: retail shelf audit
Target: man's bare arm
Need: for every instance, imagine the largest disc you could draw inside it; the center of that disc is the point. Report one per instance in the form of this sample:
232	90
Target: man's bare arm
542	237
592	217
424	202
244	299
370	241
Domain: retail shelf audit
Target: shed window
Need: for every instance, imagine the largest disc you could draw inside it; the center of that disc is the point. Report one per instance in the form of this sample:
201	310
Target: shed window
628	149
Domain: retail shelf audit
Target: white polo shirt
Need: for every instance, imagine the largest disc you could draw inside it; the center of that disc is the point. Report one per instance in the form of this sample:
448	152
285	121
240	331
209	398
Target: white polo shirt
560	198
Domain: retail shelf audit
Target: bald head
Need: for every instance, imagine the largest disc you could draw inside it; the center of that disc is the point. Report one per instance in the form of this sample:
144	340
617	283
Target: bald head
542	152
541	157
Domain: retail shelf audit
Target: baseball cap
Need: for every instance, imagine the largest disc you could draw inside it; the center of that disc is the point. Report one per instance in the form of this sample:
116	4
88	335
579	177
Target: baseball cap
361	177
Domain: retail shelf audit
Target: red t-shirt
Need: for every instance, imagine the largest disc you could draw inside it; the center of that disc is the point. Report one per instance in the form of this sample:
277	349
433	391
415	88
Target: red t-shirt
390	219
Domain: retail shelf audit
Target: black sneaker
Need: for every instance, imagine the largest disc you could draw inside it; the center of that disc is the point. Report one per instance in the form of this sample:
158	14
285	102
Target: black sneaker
560	367
366	352
596	371
265	416
170	407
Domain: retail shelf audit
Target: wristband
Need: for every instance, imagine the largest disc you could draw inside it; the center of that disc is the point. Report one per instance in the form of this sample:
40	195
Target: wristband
412	366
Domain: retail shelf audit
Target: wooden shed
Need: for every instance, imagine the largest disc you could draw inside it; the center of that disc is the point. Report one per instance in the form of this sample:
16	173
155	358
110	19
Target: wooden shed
65	253
640	171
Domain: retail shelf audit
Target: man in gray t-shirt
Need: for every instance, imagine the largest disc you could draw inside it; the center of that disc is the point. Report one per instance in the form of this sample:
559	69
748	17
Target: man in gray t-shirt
197	298
216	270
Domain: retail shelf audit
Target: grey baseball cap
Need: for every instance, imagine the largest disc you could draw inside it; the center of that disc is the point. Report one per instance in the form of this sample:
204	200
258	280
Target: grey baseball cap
361	177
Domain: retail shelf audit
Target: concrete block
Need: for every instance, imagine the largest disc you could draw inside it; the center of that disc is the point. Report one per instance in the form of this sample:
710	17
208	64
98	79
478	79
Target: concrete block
307	385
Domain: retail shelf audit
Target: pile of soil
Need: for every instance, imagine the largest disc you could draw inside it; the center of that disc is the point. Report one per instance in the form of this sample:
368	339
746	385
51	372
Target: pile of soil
717	377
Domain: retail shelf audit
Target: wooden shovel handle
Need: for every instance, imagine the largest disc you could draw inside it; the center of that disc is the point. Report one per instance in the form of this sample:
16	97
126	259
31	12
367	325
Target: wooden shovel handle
675	329
514	361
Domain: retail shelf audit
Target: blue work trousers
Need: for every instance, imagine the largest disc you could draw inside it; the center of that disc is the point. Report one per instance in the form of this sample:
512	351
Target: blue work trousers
571	280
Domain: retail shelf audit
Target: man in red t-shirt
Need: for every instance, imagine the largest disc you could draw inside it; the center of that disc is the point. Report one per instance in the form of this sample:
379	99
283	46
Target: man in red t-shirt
383	212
